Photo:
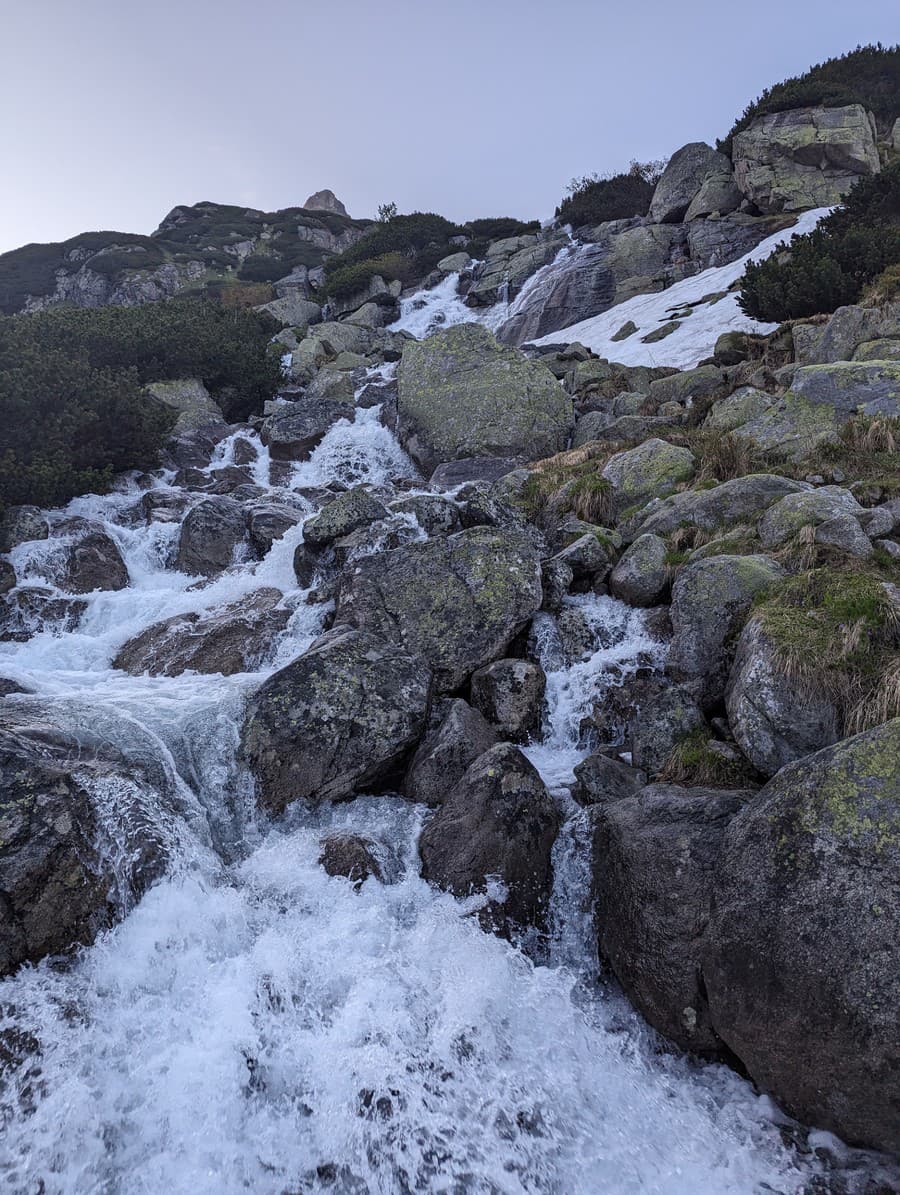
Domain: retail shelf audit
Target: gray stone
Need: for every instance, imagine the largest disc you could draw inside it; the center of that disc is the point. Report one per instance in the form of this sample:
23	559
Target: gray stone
800	960
804	158
641	575
353	509
498	822
688	170
294	429
786	517
844	533
268	522
445	754
457	601
190	398
93	562
461	394
652	470
774	718
21	524
337	720
738	408
655	855
510	695
599	779
352	856
710	601
660	725
436	516
741	500
474	468
210	533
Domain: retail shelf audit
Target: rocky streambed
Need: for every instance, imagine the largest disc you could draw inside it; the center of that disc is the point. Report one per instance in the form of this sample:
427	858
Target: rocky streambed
311	753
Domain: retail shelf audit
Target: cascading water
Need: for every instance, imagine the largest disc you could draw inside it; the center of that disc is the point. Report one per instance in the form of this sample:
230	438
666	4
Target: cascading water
253	1024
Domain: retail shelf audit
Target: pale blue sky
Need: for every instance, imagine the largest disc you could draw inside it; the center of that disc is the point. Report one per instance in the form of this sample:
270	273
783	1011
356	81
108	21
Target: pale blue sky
113	111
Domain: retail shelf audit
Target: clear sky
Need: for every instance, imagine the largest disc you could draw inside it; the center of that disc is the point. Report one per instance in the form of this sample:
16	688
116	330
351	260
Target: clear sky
113	111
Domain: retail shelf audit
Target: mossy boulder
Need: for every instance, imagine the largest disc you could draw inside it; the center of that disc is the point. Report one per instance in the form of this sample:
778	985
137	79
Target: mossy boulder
741	500
461	394
190	398
738	408
456	601
660	724
641	576
652	470
337	720
775	716
801	961
350	510
710	600
790	428
851	387
687	384
21	524
785	518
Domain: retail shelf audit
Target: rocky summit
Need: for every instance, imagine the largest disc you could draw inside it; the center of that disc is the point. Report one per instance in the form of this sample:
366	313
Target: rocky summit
450	685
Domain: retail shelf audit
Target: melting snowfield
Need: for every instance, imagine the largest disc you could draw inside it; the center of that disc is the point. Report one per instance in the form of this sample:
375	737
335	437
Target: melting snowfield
253	1024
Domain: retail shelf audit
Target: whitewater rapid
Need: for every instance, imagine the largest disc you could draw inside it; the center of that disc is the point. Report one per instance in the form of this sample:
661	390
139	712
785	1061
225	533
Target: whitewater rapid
252	1024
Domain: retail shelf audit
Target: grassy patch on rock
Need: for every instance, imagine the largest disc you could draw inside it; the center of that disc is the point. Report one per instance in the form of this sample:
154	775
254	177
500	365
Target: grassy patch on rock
698	761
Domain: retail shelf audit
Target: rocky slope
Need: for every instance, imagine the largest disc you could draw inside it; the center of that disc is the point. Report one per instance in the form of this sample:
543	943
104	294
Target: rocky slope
294	720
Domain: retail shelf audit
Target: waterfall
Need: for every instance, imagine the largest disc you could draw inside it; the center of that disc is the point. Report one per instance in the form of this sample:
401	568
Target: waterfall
253	1024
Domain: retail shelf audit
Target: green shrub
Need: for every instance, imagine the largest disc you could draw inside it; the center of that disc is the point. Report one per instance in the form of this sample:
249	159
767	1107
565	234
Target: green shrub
868	75
830	266
497	228
594	200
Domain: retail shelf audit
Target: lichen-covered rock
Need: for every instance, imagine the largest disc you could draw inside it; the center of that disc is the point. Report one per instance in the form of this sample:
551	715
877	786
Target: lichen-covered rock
641	575
688	170
804	158
20	524
346	512
774	718
294	429
844	533
93	562
847	332
801	961
190	398
741	500
599	779
719	194
446	753
209	535
335	721
660	724
655	855
851	387
461	394
652	470
457	601
710	600
791	428
510	694
785	517
498	823
436	516
227	640
738	408
687	384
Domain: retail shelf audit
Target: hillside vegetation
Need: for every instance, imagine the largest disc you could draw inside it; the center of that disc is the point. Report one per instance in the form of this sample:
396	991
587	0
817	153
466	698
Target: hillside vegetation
72	409
868	75
857	246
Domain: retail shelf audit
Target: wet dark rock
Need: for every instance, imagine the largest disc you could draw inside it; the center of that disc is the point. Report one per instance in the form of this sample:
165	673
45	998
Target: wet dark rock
25	612
474	468
294	430
661	724
93	562
499	821
337	720
436	516
232	639
164	506
600	779
510	695
655	855
7	577
446	752
800	959
457	601
352	856
209	535
268	522
20	524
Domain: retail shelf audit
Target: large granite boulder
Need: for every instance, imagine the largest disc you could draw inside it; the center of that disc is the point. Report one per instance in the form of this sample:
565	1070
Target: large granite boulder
851	387
461	394
654	469
800	961
499	823
710	601
774	717
337	720
190	398
510	694
457	601
655	854
688	170
446	753
788	515
805	158
640	577
209	535
509	263
840	338
660	723
741	500
295	428
345	513
232	639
